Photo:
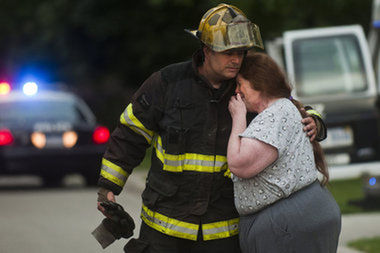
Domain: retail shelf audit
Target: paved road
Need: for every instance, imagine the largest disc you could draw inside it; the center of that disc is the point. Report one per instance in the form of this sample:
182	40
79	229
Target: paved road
358	226
37	220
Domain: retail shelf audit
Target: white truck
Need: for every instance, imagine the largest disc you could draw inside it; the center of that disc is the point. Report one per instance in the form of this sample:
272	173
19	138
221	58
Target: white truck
332	69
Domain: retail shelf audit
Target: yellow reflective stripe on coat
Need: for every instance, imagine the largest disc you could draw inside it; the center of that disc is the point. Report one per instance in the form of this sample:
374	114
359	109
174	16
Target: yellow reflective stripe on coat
129	119
314	112
113	173
185	230
221	229
168	225
227	173
189	161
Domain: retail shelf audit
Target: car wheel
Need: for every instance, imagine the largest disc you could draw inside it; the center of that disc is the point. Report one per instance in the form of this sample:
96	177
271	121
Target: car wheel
52	180
91	178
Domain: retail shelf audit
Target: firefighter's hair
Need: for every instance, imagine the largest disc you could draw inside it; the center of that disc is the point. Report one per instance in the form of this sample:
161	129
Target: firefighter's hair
267	77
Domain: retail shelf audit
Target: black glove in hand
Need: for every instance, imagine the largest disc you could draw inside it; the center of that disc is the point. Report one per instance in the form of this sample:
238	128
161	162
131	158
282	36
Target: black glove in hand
119	222
116	229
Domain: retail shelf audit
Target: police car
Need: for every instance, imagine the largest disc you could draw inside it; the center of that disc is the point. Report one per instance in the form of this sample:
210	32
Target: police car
49	134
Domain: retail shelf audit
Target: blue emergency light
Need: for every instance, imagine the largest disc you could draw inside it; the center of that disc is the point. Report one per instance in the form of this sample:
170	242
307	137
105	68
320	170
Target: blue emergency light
372	181
376	24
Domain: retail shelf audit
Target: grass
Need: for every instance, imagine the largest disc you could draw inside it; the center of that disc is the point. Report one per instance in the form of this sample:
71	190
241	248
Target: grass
145	164
350	197
346	191
368	245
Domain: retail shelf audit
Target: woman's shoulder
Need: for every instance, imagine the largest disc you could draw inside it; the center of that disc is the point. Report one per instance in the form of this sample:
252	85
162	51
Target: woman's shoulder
283	103
276	112
282	106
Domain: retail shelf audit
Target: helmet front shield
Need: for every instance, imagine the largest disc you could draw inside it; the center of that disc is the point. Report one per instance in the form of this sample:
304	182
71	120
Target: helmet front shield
243	35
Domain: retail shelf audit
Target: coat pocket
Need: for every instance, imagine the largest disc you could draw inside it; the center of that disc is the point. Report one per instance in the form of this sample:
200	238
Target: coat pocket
175	140
159	189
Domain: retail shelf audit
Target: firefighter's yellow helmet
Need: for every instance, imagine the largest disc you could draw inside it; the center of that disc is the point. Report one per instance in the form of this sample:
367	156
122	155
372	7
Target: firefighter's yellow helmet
226	27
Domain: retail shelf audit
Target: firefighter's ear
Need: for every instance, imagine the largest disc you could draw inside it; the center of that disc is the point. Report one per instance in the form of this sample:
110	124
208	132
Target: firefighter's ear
144	100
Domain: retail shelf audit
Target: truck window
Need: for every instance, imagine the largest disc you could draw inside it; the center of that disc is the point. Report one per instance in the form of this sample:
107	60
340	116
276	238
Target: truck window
328	66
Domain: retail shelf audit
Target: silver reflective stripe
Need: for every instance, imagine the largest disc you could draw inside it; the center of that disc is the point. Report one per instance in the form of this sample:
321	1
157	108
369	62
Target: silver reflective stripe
158	145
181	229
217	230
135	127
191	162
220	229
114	173
165	225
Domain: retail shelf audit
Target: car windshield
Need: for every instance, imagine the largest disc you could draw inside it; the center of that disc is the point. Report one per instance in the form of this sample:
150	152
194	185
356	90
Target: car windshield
328	66
40	111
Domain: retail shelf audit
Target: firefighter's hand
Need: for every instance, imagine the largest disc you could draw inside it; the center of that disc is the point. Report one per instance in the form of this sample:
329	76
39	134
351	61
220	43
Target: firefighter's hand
310	126
119	222
104	195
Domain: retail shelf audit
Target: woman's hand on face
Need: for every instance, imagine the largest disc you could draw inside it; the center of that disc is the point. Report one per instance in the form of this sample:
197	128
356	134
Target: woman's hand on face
237	107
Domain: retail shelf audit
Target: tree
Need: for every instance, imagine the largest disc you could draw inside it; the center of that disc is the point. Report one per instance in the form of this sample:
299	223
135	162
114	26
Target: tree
110	47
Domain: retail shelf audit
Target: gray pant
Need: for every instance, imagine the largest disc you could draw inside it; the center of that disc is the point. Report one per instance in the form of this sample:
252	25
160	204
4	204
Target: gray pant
307	221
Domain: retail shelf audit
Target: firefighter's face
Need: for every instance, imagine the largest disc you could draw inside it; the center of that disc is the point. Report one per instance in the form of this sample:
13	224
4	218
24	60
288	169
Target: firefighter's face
251	97
224	65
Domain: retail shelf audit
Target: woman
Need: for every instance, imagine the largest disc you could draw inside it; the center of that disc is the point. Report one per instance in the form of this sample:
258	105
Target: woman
282	205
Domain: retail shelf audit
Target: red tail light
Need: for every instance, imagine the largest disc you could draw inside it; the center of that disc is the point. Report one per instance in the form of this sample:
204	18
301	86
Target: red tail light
101	135
6	137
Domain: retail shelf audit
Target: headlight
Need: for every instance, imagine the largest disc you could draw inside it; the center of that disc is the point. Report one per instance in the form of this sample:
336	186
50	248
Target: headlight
69	139
38	139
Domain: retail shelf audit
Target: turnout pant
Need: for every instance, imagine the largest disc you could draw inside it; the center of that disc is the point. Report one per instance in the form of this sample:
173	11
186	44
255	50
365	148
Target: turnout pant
152	241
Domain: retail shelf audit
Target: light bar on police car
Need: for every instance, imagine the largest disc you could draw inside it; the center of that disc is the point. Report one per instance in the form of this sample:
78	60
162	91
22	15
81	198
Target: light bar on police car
30	88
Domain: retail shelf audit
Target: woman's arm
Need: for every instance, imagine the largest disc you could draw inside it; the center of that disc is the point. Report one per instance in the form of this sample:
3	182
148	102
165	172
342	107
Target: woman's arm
252	157
246	157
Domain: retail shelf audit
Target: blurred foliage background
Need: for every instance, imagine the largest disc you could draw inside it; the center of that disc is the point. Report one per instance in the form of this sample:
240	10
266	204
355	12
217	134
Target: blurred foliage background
104	49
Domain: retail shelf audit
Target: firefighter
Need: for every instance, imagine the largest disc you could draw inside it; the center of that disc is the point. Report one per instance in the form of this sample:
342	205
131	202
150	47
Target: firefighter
182	112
